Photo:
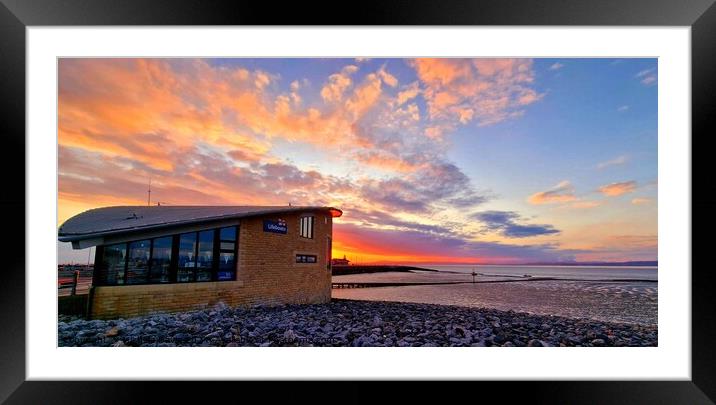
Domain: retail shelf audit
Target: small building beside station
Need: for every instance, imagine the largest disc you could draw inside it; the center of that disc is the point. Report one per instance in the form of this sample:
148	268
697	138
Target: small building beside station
179	258
341	262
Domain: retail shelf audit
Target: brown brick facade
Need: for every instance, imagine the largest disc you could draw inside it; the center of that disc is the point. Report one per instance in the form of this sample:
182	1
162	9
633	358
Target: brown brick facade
267	274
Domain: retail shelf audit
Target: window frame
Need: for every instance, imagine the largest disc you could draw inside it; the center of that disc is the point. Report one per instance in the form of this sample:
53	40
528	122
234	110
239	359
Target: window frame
213	268
305	257
218	251
147	264
308	229
194	255
151	261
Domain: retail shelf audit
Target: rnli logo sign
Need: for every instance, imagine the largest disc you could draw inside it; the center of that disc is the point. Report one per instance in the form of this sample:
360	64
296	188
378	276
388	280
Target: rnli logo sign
278	226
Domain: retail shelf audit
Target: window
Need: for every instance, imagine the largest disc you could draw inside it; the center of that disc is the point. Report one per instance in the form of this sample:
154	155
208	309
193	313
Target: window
306	227
138	262
205	256
161	260
114	258
187	257
306	258
209	255
227	254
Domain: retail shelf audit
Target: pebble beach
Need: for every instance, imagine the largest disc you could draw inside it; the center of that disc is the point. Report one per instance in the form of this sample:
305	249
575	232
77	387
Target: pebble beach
348	323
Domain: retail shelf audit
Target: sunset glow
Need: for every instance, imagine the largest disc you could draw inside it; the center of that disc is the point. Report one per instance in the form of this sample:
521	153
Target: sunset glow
430	160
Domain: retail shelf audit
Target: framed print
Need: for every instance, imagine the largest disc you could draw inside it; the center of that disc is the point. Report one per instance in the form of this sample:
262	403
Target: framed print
401	193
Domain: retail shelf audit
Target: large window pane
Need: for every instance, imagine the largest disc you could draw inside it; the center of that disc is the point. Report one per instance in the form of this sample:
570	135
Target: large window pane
138	261
227	254
187	258
228	234
113	260
205	257
161	258
227	266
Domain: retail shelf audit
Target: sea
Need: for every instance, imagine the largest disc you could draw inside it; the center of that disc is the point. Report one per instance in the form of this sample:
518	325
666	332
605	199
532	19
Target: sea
624	294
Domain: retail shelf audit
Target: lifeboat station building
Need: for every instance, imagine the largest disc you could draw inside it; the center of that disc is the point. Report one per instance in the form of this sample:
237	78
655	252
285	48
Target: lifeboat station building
179	258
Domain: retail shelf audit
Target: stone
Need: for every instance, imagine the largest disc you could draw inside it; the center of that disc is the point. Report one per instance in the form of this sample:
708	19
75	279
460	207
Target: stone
574	340
352	323
112	332
215	334
290	335
534	343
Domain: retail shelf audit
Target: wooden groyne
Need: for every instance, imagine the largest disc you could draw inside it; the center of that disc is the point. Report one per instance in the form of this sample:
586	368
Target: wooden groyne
396	284
340	270
356	284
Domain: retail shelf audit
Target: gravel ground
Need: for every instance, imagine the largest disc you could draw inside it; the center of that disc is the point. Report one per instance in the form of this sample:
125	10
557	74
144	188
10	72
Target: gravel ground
351	323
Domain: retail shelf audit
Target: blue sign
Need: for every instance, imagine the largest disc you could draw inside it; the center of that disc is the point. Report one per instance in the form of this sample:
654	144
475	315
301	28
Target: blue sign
275	226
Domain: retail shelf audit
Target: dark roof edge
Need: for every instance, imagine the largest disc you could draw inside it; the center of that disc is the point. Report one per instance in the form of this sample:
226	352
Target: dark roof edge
73	237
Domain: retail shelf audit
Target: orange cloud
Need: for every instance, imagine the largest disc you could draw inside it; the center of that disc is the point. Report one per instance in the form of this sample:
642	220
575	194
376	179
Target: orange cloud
387	78
528	97
409	93
641	201
154	115
389	162
443	99
490	67
441	71
617	189
365	96
337	84
483	90
562	192
114	106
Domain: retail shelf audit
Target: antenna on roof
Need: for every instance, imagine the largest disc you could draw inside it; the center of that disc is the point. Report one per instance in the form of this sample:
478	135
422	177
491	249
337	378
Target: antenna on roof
149	193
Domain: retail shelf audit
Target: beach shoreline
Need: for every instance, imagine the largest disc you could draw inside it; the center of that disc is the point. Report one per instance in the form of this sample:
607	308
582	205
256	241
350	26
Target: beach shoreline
603	294
346	323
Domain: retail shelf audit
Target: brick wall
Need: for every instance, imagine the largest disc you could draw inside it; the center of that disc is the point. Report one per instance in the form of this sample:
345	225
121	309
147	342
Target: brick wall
267	274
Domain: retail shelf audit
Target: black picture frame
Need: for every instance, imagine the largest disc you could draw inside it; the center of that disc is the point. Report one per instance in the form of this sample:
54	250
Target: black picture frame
16	15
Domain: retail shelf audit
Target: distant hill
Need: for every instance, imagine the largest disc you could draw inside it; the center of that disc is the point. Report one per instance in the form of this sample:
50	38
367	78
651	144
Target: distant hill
632	263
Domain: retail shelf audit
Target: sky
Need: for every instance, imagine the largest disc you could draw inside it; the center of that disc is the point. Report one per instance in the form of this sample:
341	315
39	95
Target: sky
431	160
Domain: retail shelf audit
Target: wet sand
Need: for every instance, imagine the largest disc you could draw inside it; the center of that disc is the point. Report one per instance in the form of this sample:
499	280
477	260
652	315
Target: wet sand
633	302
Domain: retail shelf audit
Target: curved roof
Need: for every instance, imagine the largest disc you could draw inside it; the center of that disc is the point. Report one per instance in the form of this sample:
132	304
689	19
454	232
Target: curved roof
112	220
